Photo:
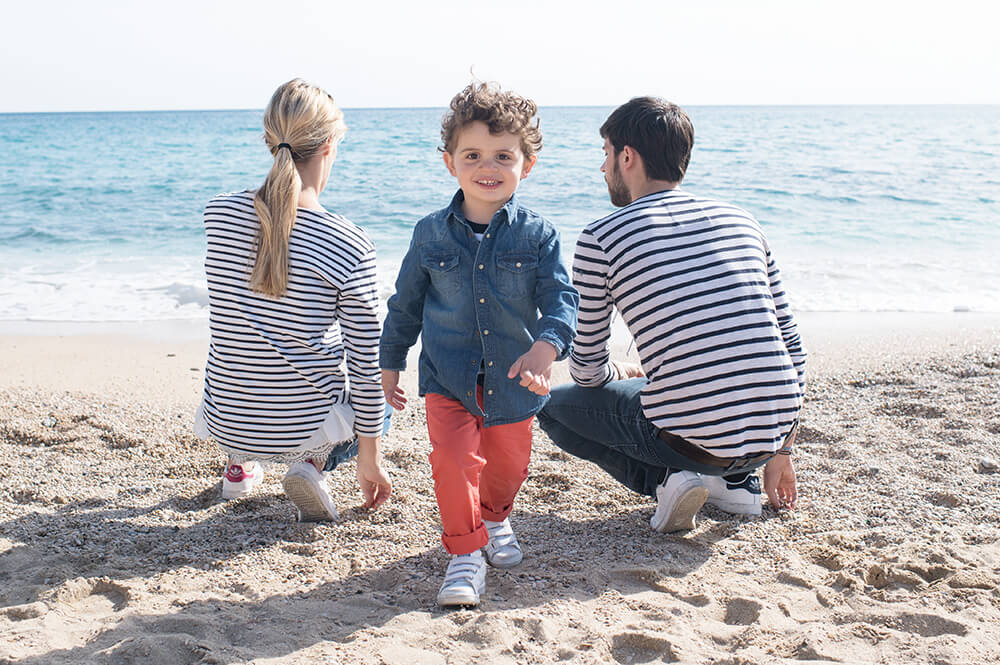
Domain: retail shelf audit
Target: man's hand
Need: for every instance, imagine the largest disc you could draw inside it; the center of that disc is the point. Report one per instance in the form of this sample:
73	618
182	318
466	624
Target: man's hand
535	367
372	478
779	482
394	395
628	370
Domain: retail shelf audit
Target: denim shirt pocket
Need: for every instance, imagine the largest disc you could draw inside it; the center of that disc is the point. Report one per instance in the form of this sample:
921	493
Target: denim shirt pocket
516	274
442	266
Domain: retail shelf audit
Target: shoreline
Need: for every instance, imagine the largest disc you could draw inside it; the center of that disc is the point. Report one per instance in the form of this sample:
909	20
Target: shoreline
158	357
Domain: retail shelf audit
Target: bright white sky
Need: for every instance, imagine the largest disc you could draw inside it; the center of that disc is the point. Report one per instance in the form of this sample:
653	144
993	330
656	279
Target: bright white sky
200	54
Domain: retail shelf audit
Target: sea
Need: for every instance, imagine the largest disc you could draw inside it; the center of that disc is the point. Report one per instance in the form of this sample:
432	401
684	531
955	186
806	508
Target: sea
866	208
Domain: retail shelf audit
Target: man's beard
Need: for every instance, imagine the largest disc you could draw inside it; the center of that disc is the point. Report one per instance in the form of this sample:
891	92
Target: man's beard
620	196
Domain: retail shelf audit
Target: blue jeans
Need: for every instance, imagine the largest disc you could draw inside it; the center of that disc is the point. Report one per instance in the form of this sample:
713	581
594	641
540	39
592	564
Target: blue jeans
349	449
606	426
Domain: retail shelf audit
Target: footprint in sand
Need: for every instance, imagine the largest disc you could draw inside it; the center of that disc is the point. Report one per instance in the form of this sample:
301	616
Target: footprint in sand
93	596
925	625
150	649
742	611
641	648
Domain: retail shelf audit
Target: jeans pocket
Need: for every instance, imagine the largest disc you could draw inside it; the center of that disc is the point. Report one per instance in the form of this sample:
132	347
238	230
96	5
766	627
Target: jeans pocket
443	268
516	274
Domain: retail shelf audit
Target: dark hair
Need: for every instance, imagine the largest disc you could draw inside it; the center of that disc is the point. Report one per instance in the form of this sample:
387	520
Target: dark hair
660	131
501	110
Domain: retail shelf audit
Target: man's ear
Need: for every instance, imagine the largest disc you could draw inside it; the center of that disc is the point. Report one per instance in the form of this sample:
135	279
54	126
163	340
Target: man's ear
628	156
449	161
632	160
529	162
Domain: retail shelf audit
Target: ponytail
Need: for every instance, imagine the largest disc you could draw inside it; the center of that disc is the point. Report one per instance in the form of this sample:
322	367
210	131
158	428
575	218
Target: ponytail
299	120
276	203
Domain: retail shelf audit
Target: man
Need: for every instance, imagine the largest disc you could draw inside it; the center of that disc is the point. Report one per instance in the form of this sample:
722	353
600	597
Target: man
721	379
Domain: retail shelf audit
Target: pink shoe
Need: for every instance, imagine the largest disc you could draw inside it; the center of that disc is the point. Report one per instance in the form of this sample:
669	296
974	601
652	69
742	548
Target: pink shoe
240	479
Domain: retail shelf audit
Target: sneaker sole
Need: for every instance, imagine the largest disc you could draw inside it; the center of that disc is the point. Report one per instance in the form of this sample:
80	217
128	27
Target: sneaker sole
736	508
235	494
456	599
310	505
682	517
238	493
504	565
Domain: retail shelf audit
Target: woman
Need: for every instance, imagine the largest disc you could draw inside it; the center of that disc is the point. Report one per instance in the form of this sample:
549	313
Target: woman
292	294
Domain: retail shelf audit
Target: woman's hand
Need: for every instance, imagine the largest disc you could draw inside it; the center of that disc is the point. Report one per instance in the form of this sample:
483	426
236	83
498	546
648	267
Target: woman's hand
394	395
372	478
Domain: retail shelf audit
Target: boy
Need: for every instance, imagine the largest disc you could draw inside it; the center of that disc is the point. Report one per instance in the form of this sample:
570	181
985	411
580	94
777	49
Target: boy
484	282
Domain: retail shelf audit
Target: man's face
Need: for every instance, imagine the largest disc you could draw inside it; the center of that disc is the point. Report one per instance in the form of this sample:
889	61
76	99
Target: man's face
620	196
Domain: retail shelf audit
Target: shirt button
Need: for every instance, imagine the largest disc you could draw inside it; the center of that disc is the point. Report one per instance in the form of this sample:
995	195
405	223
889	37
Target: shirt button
481	266
489	364
516	265
441	264
482	300
489	392
487	235
469	394
486	332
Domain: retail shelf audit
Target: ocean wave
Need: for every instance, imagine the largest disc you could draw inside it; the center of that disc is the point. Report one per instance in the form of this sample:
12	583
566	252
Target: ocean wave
32	235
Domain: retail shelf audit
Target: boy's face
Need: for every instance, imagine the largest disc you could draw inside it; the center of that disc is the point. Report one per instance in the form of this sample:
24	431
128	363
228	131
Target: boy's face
489	167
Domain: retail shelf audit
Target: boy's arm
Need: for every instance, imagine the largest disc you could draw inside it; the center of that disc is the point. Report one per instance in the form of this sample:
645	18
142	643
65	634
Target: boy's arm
556	298
590	362
406	312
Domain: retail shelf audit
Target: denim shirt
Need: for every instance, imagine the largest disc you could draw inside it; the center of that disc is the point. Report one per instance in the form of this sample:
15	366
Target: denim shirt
479	306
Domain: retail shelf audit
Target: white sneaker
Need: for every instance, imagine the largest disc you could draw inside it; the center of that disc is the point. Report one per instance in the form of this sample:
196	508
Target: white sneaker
239	479
503	550
740	498
306	487
678	498
464	581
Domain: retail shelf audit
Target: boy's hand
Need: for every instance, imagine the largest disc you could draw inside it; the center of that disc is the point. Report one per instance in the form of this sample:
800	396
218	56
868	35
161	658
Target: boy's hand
535	367
394	395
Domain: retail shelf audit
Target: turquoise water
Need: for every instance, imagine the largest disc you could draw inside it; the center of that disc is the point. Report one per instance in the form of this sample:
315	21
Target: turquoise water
866	208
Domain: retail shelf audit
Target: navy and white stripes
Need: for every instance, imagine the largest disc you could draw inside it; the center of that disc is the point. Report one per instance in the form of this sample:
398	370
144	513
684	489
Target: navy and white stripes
275	365
697	287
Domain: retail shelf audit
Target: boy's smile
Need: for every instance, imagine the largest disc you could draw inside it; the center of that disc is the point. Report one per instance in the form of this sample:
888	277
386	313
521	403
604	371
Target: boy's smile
489	168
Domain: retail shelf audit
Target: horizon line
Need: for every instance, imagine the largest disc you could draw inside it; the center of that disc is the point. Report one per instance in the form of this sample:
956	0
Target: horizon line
551	106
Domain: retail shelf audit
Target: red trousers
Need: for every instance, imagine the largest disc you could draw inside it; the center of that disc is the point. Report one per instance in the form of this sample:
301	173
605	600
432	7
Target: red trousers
477	470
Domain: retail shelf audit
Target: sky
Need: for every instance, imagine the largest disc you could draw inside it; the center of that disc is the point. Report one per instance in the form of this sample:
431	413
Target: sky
181	54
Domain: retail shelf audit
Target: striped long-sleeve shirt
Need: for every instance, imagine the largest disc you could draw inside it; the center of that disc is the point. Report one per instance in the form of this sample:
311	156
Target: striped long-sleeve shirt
696	285
275	365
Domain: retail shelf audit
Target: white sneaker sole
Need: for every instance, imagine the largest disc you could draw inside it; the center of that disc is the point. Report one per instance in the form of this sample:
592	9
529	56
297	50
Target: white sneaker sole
462	595
312	507
497	560
682	516
237	492
736	508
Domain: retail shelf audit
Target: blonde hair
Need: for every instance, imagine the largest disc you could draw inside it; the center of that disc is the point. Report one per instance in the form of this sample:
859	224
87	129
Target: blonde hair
304	117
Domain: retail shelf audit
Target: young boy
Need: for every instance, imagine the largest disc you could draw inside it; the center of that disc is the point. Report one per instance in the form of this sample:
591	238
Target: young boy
484	282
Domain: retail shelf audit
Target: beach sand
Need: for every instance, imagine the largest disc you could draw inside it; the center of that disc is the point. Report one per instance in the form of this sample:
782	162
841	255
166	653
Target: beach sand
115	546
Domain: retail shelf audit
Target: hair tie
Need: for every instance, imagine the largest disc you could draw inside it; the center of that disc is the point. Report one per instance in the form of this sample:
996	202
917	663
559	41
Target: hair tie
284	145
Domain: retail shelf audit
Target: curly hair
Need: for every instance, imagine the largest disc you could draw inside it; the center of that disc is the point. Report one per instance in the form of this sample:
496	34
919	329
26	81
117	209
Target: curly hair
502	111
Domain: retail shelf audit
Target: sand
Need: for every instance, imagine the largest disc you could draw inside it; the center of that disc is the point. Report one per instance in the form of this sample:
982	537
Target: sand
115	546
